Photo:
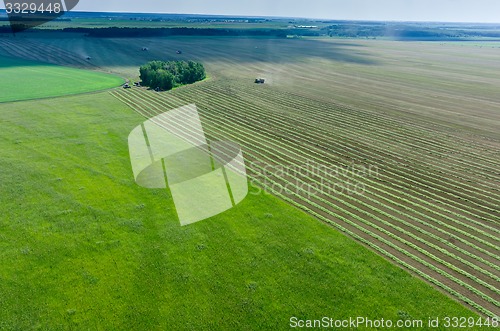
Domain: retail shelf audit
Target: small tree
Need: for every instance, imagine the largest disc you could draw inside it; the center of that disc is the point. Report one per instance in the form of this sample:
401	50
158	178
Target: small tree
165	80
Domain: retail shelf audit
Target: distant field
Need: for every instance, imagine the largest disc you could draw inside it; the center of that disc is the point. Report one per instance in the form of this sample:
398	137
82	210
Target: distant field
426	115
83	247
22	80
100	23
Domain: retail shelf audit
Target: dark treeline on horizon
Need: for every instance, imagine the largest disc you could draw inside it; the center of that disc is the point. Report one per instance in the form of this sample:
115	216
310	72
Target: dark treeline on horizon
115	32
349	29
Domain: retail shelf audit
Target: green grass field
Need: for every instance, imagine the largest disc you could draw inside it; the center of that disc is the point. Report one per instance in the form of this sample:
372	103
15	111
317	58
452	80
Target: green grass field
24	80
83	247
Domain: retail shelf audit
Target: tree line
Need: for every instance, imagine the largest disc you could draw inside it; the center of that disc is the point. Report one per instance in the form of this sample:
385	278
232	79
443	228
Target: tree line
127	32
167	75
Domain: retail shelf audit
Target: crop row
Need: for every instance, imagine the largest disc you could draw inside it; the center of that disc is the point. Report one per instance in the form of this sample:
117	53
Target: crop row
152	100
437	133
435	268
373	126
292	148
298	133
316	119
284	125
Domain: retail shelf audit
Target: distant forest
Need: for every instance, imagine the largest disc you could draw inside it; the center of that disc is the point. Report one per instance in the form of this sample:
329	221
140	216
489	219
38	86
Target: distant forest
125	32
401	31
165	32
338	29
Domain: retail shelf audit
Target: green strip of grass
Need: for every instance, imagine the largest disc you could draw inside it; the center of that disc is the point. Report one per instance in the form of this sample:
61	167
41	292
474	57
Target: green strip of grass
83	247
24	80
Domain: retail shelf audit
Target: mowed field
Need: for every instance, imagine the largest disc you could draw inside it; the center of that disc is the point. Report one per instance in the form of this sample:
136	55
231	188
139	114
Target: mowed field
22	80
83	247
423	118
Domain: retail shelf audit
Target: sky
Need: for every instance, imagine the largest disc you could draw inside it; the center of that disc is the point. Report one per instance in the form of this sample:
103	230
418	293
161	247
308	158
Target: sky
383	10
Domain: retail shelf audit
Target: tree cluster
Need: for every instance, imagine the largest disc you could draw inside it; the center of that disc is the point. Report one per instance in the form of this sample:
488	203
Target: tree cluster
167	75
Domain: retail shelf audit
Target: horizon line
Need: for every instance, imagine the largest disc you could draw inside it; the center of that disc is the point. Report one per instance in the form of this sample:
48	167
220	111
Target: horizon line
277	17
